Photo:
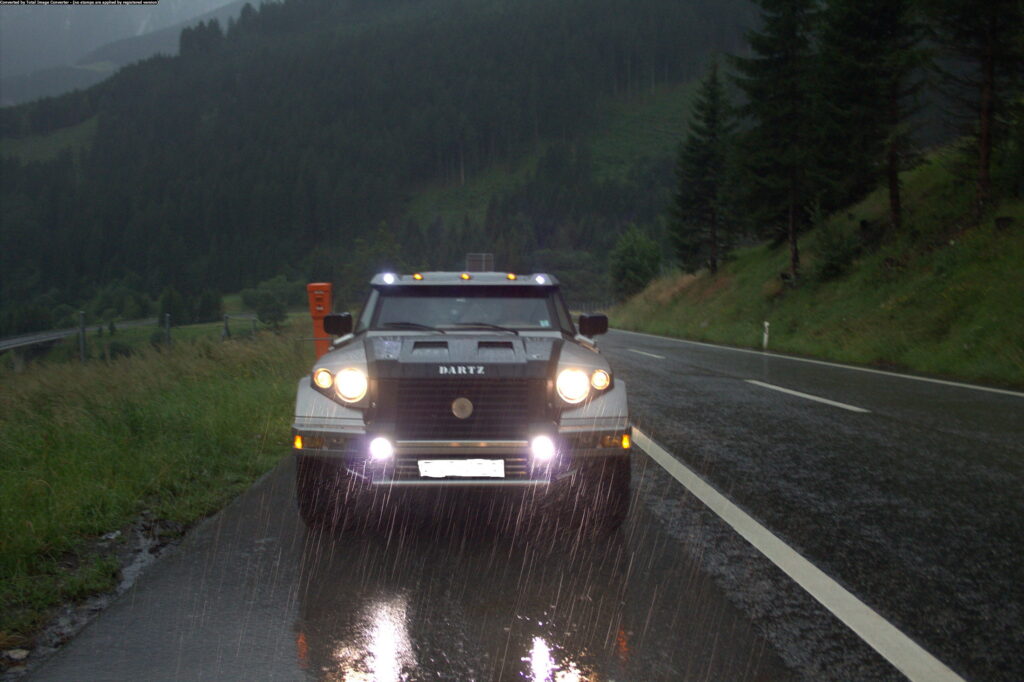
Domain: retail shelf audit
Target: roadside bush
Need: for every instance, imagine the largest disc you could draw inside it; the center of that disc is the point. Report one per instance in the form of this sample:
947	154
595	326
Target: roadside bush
836	251
635	261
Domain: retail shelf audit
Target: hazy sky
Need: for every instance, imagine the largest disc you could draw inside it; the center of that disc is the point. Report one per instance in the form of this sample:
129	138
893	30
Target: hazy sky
34	37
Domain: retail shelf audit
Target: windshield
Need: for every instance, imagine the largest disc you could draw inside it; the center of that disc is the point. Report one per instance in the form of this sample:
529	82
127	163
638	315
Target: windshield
512	308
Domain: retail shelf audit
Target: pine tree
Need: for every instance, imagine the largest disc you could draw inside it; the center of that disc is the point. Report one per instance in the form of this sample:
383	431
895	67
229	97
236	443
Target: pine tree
870	64
697	211
778	150
985	38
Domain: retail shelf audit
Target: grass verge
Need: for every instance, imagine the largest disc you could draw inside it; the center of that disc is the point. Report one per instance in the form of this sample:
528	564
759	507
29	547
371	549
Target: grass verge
942	297
86	448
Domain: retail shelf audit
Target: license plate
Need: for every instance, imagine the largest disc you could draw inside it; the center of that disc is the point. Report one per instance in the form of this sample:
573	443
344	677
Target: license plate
462	468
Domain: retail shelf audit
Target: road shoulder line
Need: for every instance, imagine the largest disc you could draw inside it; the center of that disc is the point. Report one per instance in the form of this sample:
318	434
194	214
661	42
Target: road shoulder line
944	382
641	352
808	396
902	652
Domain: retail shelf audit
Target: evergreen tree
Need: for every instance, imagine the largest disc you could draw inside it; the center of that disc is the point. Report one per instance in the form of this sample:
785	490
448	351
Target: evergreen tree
778	149
870	64
698	209
985	38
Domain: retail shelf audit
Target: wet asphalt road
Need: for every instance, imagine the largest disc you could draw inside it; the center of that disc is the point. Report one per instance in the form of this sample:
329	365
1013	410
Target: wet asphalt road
251	595
914	506
917	506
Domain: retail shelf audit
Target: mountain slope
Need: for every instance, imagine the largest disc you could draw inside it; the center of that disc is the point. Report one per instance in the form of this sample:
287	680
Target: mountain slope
943	297
103	61
278	145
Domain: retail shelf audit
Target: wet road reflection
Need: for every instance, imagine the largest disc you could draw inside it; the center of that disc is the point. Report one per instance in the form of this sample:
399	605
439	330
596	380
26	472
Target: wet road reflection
466	589
518	598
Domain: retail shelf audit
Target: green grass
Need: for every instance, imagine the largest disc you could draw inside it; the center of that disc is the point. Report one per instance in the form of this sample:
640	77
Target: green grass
85	448
944	297
76	139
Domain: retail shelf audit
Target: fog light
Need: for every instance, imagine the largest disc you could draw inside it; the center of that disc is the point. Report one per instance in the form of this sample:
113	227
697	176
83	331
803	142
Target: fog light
381	448
297	442
543	448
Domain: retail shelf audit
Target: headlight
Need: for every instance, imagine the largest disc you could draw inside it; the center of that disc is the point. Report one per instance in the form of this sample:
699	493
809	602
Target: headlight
600	379
323	378
573	385
350	384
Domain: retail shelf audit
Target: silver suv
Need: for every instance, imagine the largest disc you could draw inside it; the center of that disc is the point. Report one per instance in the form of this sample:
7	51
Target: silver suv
461	380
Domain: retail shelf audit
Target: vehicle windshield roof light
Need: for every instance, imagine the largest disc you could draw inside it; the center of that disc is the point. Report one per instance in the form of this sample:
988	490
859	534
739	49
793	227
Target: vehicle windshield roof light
540	279
389	278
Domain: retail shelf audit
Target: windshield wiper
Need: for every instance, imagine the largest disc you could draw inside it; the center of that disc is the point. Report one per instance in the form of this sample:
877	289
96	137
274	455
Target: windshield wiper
486	325
411	325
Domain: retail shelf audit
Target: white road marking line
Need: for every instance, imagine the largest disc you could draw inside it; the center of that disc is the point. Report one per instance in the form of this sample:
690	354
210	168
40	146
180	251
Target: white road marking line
808	396
650	355
904	653
855	368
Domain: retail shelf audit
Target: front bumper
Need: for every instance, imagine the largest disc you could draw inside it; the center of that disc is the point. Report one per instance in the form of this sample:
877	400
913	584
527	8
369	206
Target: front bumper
519	467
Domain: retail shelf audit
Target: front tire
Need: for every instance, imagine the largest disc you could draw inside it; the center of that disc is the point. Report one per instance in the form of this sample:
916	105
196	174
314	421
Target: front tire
325	493
603	490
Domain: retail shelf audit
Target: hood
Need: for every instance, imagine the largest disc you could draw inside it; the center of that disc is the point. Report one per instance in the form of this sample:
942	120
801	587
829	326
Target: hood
475	356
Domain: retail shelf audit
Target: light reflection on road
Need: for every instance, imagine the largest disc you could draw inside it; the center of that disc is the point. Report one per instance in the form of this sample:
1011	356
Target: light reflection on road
381	649
543	667
477	591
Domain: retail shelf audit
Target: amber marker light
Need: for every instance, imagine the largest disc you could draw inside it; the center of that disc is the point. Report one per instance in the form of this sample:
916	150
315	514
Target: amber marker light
511	276
626	441
464	275
417	277
297	443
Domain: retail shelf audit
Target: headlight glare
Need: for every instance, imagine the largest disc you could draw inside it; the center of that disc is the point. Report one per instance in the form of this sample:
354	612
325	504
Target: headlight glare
573	385
600	379
543	448
381	449
323	378
350	384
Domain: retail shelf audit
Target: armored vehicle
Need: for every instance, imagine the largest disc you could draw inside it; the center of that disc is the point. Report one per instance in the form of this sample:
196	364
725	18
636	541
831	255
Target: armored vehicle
467	380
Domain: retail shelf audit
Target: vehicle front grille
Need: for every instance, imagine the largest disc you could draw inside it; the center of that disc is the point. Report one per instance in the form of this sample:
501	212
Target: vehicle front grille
503	409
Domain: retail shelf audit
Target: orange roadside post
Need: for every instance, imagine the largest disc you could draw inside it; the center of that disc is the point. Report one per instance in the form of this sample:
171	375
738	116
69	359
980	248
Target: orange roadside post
320	302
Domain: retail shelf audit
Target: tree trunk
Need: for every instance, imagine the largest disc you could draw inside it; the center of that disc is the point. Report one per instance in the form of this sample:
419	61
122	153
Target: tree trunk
794	248
462	163
713	260
986	111
893	159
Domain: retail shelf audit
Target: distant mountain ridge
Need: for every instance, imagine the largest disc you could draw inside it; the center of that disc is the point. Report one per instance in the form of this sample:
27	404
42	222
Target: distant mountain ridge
101	62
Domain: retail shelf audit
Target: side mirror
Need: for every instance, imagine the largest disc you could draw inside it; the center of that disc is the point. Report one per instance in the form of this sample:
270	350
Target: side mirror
592	325
338	324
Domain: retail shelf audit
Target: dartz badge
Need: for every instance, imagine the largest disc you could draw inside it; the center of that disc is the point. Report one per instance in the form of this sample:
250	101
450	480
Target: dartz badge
462	408
460	369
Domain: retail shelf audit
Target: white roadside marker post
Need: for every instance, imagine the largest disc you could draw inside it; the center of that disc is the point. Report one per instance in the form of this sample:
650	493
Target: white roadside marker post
764	338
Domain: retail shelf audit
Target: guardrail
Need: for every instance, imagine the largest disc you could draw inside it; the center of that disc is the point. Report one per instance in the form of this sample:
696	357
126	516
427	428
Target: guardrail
38	338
